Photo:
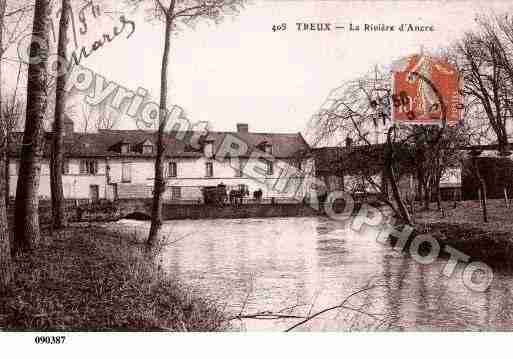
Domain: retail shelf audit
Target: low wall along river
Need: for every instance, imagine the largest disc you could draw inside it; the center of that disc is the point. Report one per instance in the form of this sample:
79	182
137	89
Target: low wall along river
141	209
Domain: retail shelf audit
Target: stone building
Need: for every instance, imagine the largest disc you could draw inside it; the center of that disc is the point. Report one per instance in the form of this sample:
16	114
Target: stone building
115	164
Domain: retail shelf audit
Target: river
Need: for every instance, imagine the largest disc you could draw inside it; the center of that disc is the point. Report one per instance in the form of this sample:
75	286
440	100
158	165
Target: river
299	266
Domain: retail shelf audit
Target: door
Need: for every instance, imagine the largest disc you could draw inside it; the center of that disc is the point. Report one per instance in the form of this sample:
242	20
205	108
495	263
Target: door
94	193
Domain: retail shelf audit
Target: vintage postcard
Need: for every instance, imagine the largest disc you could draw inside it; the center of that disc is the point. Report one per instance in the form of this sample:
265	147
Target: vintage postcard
254	166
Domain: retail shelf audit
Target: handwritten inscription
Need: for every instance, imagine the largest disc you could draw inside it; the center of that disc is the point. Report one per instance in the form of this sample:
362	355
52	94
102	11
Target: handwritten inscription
127	26
89	7
90	10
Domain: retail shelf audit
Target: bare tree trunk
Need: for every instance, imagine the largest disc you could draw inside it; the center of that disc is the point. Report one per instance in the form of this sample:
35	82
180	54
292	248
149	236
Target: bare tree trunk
5	247
403	210
389	170
437	179
5	250
7	176
26	233
427	194
159	184
419	186
57	156
438	195
482	189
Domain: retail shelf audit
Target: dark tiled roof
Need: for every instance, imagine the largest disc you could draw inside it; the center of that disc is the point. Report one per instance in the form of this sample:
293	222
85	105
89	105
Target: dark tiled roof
103	143
284	145
354	160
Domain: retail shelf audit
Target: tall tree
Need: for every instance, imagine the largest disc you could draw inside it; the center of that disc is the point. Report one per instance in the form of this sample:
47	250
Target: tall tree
57	155
361	107
26	234
12	32
172	13
484	56
484	81
5	251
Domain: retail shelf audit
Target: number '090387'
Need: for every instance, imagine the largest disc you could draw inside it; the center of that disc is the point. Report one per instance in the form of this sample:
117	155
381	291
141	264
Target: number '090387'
49	339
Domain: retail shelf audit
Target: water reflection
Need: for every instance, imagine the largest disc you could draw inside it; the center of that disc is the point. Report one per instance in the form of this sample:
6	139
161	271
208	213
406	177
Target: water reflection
308	264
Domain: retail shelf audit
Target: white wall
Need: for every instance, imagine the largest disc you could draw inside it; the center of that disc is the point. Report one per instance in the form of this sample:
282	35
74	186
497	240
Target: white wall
75	185
191	176
451	176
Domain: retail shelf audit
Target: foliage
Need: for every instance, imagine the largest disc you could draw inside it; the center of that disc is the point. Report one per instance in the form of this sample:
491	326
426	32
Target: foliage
87	279
360	112
484	57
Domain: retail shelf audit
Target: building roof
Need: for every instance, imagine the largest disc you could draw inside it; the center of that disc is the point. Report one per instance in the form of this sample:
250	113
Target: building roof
104	143
355	159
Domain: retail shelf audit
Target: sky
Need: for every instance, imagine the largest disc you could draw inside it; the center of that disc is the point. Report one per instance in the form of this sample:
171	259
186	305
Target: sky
242	71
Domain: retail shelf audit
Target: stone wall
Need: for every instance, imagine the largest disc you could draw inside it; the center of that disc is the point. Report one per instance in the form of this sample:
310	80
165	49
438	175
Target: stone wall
106	211
201	211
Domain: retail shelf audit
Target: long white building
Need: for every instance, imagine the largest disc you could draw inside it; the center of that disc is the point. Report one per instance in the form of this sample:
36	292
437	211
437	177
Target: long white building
114	164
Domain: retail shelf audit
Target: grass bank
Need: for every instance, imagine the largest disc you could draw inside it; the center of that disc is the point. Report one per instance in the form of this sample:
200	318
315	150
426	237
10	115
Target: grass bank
87	279
462	227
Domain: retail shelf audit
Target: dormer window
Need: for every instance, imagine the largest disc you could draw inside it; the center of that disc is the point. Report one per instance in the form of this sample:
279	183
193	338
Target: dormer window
147	149
125	148
268	148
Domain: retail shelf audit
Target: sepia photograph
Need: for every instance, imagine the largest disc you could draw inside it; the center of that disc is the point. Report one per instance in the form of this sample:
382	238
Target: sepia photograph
255	166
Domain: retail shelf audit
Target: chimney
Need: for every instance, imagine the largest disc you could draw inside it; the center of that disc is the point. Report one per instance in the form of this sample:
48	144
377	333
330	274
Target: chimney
242	127
349	142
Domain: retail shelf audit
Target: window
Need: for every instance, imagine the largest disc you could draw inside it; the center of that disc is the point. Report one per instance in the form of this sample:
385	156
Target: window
13	168
125	148
269	149
126	172
299	166
172	170
209	149
270	168
147	149
176	192
239	170
65	167
209	169
89	167
94	192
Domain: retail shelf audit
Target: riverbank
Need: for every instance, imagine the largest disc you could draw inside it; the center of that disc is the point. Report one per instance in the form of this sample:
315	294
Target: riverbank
87	279
463	228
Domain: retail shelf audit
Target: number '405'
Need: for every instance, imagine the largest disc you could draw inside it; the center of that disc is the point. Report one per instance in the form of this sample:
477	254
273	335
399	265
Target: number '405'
281	27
